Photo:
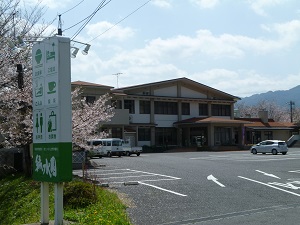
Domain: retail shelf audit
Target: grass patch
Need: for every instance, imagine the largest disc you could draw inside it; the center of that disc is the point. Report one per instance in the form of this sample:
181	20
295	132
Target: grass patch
86	203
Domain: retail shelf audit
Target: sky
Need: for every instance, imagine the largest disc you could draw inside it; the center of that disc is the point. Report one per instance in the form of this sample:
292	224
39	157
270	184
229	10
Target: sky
241	47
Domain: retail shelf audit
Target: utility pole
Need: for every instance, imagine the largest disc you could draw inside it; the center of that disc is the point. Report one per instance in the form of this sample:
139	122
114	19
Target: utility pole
291	103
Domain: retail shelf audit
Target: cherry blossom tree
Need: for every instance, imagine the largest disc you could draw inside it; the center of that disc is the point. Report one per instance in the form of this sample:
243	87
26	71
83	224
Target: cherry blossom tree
15	89
16	125
276	112
87	117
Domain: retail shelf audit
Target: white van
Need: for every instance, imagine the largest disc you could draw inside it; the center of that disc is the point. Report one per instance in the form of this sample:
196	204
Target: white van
105	147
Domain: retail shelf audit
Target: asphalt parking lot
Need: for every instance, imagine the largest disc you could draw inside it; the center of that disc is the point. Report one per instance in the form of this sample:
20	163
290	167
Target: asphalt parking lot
205	187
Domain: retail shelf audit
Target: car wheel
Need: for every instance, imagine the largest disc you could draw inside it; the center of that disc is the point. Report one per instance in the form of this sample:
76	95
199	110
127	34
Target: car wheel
283	153
109	154
138	154
254	151
274	151
128	153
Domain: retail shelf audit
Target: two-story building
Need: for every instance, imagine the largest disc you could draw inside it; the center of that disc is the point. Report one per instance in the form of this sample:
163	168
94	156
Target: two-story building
177	112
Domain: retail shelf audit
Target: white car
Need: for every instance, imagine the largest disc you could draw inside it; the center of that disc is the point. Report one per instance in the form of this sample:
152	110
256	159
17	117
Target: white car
270	146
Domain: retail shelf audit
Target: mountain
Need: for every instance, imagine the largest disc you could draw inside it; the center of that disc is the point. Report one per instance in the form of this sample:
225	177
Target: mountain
281	98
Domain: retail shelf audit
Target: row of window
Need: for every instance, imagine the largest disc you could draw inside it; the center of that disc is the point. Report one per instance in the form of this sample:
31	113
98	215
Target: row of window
168	108
171	108
163	135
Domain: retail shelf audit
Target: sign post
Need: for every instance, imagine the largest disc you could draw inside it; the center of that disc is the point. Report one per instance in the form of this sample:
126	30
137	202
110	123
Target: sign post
52	120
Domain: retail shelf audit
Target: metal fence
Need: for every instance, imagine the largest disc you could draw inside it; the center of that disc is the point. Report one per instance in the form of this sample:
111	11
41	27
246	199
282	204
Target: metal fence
11	160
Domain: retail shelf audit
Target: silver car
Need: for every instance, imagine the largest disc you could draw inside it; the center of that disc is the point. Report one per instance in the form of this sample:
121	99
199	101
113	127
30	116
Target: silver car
270	146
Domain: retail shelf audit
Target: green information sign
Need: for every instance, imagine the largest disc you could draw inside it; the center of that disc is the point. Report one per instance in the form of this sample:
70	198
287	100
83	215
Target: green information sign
52	162
52	125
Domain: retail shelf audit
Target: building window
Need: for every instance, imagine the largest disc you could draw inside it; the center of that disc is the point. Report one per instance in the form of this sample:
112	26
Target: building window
90	99
185	107
144	134
223	136
168	108
221	110
203	109
117	132
144	107
129	104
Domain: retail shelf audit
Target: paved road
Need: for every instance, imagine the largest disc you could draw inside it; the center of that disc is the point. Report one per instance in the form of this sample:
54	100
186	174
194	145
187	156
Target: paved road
222	188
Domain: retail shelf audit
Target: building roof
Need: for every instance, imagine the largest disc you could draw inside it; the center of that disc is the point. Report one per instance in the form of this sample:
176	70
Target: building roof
257	123
83	83
199	120
184	80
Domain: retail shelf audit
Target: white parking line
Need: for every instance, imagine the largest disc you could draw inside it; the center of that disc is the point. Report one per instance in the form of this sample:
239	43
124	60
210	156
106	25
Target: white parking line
293	193
106	174
244	158
107	178
121	182
157	174
102	175
163	189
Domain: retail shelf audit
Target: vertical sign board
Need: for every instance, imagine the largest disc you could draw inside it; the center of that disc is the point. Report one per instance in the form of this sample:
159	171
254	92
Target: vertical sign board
52	116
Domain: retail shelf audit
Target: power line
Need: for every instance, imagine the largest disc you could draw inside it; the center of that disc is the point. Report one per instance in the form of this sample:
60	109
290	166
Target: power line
59	15
72	8
120	20
100	6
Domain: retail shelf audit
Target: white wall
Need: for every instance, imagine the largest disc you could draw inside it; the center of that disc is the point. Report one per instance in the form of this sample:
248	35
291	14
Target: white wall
194	109
140	118
169	91
165	120
188	93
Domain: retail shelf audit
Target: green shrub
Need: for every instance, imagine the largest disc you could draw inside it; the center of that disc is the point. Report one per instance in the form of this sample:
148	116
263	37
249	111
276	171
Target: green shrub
78	194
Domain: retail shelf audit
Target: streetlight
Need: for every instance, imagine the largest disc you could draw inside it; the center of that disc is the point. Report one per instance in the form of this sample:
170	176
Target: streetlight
84	51
74	52
16	46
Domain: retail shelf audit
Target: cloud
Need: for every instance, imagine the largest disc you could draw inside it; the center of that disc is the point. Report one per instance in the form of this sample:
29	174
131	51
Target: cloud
206	4
162	3
52	4
218	58
259	6
243	83
106	30
225	45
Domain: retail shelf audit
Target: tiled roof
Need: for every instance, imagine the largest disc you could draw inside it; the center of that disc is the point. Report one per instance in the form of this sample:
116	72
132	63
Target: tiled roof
254	123
271	124
198	120
83	83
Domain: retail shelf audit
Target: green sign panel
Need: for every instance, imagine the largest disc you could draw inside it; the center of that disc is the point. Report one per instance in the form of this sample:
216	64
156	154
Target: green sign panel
52	125
52	162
